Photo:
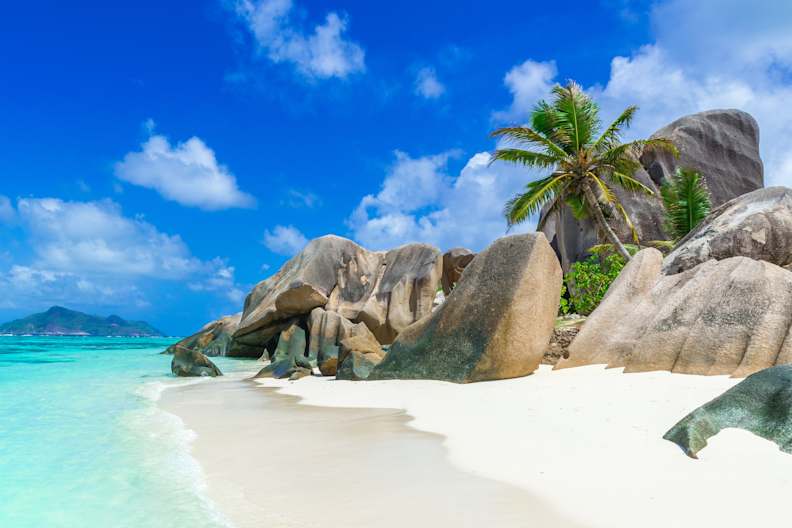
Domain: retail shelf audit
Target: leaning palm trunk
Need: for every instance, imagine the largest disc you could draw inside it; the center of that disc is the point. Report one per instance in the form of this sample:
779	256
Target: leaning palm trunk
602	223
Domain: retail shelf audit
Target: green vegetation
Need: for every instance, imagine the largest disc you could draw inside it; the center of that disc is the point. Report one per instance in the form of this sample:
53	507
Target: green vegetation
62	321
587	282
564	138
686	200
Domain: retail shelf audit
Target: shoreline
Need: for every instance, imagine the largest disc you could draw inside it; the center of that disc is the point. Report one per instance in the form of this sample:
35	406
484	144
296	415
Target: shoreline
586	441
271	460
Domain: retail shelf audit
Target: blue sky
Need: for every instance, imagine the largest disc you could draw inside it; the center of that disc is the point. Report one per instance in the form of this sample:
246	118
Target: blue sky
158	159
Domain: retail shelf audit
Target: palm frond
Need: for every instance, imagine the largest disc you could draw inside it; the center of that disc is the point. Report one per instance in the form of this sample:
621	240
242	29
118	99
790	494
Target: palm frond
531	137
606	192
576	114
629	183
537	194
527	158
686	201
627	220
612	135
578	206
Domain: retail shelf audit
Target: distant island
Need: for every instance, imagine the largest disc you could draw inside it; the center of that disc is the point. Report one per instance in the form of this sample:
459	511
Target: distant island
59	321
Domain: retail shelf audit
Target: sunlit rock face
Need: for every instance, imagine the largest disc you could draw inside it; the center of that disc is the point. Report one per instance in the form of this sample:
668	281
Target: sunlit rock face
495	324
727	317
756	225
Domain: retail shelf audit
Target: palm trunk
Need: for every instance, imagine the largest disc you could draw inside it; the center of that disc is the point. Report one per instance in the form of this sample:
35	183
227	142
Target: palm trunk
602	223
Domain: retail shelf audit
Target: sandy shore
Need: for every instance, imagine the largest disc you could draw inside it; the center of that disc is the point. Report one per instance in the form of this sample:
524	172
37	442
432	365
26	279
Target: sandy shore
271	462
587	441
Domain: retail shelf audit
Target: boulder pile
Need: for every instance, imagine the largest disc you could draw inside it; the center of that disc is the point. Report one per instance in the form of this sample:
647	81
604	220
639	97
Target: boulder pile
495	324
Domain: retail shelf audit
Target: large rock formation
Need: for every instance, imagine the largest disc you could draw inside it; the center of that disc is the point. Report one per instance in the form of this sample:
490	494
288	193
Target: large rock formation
495	324
720	317
454	263
188	362
760	404
213	339
721	144
290	354
330	338
385	290
756	225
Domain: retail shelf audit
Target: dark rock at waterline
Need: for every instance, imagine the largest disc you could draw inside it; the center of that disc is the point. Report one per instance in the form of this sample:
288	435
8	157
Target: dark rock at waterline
756	225
214	339
721	144
761	404
495	324
192	363
289	356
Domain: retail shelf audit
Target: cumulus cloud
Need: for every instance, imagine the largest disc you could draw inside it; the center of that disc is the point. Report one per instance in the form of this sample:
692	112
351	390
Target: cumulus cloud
528	82
284	240
735	54
7	213
90	253
321	54
427	85
187	173
420	202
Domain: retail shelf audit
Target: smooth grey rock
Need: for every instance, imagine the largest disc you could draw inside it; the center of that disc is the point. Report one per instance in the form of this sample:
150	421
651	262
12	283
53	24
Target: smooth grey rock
386	290
290	354
214	339
496	323
721	144
192	363
761	404
728	317
756	225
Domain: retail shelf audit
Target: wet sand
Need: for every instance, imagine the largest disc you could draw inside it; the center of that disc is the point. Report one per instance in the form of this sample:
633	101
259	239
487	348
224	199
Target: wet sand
271	462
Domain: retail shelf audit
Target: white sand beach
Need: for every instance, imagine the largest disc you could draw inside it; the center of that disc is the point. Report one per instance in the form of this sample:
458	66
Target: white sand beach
270	462
588	442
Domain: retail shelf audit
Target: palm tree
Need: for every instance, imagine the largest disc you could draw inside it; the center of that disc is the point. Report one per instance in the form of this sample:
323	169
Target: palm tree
686	200
565	137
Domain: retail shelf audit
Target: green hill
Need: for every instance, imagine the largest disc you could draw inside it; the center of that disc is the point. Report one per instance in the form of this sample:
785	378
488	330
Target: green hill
62	321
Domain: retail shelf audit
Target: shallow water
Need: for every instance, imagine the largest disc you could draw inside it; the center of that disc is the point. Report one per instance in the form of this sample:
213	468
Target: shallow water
83	443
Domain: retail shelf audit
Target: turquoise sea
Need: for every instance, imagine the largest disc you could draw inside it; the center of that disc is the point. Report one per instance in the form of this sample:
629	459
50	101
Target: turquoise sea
83	443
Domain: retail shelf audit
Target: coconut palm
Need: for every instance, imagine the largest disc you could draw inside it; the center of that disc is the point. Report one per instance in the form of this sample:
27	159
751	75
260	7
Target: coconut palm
586	163
686	200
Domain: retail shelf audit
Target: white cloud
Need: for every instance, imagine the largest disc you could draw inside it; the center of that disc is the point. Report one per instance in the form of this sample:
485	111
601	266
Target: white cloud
7	213
89	253
734	54
95	237
419	202
322	54
187	173
427	85
528	82
284	240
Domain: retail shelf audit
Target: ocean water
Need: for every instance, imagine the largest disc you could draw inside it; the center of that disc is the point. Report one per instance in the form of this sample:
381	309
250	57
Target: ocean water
83	443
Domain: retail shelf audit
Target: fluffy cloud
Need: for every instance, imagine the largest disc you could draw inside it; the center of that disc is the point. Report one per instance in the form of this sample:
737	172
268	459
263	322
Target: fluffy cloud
89	252
187	173
7	213
321	54
419	201
528	82
707	54
284	240
427	85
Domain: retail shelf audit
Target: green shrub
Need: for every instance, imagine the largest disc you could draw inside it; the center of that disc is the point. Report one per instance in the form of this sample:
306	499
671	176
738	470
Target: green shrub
588	281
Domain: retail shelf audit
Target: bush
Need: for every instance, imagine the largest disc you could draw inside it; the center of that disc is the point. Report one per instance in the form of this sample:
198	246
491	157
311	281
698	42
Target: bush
588	281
